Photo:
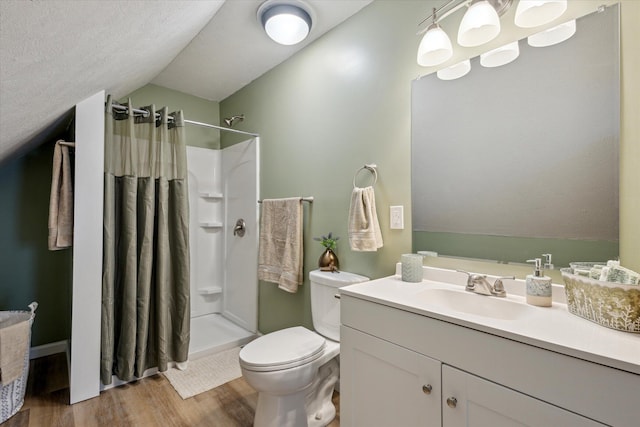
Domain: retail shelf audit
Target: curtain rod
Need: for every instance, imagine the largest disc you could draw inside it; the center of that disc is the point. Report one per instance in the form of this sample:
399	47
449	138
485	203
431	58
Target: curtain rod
145	113
220	127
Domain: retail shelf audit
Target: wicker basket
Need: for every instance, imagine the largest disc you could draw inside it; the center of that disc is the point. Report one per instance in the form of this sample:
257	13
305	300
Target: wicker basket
612	305
12	394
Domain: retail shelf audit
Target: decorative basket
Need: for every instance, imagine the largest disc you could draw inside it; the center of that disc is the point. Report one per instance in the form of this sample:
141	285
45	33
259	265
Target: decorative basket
12	394
612	305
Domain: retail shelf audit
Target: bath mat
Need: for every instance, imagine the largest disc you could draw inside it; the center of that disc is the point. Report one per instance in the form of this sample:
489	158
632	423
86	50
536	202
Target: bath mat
205	373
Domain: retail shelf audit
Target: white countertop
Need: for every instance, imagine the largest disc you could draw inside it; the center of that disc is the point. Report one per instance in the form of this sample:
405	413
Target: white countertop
552	328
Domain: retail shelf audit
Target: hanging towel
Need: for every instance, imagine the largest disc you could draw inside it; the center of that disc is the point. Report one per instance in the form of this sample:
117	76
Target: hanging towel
364	230
280	250
14	343
61	200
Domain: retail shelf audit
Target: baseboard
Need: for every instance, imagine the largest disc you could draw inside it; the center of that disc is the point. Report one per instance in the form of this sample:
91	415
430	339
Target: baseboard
48	349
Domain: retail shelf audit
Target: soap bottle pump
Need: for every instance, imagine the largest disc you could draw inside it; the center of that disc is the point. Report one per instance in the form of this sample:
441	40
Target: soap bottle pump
538	286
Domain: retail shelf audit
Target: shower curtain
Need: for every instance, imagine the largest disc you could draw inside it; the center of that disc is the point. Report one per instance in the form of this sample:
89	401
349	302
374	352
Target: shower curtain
145	283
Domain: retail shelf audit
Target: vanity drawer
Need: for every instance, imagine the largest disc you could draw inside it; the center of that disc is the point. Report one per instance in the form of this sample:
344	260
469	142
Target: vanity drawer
598	392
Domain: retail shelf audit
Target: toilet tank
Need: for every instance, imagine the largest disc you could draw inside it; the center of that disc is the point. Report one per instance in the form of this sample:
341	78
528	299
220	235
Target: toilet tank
325	307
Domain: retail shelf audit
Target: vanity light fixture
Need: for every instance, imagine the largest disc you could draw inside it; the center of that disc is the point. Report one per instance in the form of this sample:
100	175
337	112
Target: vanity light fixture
554	35
435	47
455	71
285	22
480	24
500	56
533	13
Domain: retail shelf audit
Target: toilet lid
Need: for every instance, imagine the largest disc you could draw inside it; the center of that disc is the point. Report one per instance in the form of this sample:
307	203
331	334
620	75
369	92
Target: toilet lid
282	349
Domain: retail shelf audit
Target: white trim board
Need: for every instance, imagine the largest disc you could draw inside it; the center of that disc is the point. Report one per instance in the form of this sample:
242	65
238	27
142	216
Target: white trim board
48	349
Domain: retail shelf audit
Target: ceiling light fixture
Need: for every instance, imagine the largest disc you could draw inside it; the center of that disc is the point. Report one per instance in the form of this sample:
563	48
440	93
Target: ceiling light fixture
435	47
500	56
533	13
554	35
285	22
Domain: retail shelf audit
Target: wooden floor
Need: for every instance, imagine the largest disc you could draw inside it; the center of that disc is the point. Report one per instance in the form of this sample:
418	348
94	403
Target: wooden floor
149	402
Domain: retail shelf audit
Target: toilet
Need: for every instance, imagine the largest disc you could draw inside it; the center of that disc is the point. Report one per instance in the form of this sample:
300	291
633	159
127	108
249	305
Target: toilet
295	370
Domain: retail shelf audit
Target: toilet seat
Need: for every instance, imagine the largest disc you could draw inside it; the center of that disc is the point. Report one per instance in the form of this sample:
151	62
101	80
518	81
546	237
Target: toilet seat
283	349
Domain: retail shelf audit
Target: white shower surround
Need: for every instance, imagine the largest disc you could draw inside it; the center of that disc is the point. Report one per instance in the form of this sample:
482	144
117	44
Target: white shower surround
223	186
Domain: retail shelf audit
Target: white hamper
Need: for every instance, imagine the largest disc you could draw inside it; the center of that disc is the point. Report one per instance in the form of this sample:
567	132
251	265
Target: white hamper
12	393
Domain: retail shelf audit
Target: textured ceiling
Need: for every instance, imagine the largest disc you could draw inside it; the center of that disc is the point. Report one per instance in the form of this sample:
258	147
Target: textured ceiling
54	54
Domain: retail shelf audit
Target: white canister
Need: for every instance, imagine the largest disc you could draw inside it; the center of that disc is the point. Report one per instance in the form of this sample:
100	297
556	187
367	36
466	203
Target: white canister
411	267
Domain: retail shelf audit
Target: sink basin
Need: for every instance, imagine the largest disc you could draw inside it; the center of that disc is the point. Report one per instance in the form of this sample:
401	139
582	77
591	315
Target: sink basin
480	305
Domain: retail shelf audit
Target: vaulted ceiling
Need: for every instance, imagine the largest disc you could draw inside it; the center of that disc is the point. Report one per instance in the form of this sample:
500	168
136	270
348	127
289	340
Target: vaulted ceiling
54	54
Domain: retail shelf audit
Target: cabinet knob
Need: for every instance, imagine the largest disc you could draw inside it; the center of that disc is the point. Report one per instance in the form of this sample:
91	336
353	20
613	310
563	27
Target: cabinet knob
452	402
426	389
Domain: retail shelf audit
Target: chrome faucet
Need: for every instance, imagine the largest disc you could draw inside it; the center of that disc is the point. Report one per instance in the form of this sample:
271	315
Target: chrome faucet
478	283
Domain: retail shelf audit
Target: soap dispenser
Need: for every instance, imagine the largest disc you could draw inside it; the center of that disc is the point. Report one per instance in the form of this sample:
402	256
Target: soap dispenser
538	286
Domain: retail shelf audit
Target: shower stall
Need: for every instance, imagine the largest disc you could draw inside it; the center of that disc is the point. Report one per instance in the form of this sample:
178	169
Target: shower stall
223	191
223	187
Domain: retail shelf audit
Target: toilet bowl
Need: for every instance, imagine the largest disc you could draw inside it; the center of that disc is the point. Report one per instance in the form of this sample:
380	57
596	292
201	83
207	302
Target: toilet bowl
295	370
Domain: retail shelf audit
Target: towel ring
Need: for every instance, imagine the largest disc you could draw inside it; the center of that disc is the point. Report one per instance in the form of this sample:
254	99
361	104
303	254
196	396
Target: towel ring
371	168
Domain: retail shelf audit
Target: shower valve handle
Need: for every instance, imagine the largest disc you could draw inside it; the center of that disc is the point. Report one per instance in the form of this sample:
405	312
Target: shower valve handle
240	228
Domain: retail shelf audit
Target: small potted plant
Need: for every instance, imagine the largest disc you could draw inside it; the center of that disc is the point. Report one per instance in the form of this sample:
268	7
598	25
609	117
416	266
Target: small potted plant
328	260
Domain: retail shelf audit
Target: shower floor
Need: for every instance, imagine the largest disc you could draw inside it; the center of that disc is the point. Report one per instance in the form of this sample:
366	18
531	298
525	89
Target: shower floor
213	333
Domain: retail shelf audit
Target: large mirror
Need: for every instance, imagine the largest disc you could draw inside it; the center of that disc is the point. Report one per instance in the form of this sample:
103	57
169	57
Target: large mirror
519	160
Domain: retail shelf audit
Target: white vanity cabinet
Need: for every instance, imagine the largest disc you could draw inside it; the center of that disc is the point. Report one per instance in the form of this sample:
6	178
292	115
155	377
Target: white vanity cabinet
388	353
383	384
469	400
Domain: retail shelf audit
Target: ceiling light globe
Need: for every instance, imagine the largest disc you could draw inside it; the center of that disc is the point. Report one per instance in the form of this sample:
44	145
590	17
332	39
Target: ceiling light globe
480	24
533	13
435	47
286	24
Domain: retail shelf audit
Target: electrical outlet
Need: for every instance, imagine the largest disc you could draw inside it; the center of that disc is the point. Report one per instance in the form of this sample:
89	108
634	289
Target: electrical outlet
397	217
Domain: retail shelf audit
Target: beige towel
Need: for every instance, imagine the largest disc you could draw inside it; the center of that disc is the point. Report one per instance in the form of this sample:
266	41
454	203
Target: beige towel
14	343
280	255
364	230
61	200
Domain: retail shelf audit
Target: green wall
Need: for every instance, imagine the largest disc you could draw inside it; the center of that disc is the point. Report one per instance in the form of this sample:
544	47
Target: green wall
630	136
344	101
28	270
341	102
195	109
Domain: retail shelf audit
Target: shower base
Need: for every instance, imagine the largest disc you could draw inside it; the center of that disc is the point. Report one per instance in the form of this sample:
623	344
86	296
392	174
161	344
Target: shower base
212	333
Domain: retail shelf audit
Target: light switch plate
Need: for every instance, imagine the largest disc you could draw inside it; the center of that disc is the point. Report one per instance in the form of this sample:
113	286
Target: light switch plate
397	217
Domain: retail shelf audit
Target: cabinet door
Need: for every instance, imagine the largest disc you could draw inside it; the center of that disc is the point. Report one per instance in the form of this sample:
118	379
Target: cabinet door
481	403
383	384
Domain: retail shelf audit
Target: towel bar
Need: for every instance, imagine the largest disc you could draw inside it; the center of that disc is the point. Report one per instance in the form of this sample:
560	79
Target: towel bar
304	199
